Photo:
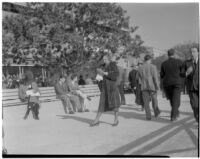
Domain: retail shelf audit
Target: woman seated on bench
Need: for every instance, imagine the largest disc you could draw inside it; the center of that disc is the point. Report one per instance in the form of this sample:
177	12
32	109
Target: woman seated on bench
74	89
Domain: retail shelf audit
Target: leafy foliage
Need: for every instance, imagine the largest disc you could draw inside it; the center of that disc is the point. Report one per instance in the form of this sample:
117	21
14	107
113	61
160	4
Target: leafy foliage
68	34
183	50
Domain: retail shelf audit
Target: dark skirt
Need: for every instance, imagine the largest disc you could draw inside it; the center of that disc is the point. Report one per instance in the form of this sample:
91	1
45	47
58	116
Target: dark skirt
138	95
109	98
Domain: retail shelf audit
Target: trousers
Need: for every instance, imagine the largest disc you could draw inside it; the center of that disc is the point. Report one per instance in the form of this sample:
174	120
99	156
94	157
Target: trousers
173	94
34	107
194	101
66	103
147	96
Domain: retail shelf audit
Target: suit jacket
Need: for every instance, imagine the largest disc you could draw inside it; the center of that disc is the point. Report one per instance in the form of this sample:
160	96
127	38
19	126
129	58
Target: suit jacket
60	90
149	77
171	72
73	88
193	78
132	78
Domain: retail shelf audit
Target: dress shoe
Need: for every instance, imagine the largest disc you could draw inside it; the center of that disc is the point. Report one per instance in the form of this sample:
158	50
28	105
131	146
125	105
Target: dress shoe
116	123
157	114
71	112
89	98
80	111
148	118
87	110
94	124
173	119
36	118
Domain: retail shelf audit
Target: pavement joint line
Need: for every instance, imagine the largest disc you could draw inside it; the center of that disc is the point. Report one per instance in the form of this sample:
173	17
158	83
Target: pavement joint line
150	146
160	136
137	142
150	141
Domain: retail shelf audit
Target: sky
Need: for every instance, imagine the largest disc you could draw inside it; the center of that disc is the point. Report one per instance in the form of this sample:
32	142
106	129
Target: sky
163	26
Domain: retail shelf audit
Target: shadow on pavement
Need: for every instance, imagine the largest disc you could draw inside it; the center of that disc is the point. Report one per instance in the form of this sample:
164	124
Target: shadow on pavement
181	126
84	120
165	111
134	115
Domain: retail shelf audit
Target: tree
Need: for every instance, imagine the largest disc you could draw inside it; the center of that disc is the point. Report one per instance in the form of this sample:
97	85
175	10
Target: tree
183	50
68	35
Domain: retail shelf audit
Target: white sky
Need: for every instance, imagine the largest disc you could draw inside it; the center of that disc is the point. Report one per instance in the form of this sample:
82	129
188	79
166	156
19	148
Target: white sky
165	25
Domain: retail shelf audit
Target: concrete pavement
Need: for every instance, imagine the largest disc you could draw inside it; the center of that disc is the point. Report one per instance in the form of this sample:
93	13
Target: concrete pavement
59	133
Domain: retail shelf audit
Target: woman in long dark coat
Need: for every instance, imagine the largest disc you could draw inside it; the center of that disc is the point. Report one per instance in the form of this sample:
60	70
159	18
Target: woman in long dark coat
109	98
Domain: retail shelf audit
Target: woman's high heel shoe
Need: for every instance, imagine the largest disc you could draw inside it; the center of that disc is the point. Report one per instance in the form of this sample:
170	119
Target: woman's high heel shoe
94	124
116	123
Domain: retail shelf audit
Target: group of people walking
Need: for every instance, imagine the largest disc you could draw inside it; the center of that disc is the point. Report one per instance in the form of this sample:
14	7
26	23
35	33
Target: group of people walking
144	80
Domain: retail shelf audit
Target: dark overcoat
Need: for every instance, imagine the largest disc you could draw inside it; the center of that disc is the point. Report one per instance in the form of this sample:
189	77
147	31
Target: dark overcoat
109	98
193	78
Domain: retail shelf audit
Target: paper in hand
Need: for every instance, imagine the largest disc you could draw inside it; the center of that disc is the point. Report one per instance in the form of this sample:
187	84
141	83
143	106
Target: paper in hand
99	77
31	93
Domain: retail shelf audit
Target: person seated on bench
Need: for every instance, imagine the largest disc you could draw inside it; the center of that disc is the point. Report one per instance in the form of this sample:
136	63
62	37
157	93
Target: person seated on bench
22	91
62	94
74	89
33	93
76	104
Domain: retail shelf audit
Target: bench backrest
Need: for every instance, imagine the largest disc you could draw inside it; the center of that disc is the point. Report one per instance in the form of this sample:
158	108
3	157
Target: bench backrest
10	96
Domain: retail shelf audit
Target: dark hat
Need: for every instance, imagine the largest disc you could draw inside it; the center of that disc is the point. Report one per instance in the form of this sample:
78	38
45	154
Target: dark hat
147	57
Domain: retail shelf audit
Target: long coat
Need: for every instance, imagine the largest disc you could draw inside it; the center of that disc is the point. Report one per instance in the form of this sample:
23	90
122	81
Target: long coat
193	78
109	98
171	72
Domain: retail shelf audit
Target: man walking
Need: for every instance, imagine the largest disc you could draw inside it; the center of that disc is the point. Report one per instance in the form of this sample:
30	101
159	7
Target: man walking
149	86
171	77
191	68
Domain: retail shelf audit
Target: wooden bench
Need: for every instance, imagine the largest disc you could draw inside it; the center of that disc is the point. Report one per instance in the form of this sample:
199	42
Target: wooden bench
10	96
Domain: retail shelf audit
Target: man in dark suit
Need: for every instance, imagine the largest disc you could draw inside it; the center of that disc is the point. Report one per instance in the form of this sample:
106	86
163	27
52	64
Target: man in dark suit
171	76
191	68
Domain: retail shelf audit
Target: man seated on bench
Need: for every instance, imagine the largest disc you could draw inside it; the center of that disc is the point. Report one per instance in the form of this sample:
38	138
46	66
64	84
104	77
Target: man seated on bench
62	94
74	89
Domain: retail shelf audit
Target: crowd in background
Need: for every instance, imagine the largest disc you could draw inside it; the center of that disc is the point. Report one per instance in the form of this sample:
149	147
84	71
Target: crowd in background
12	81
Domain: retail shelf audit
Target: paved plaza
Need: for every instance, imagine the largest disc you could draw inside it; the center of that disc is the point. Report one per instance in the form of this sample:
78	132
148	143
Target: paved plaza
59	133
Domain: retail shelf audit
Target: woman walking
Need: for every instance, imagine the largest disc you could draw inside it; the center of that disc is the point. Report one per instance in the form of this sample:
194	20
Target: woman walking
109	98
